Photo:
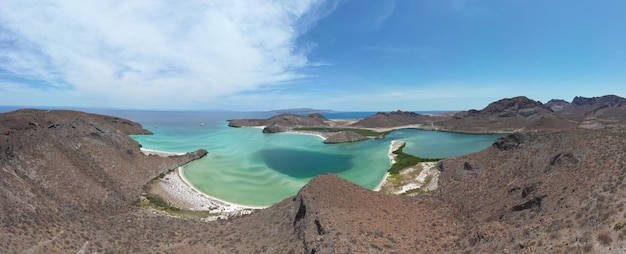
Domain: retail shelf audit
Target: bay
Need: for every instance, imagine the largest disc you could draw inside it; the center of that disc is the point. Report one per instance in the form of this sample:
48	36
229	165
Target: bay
245	166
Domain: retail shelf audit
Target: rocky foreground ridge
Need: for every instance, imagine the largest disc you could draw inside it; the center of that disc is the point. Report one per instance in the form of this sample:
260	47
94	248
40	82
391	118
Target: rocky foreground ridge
70	180
65	174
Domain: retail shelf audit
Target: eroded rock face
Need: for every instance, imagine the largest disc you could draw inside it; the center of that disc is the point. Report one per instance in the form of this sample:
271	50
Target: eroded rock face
557	104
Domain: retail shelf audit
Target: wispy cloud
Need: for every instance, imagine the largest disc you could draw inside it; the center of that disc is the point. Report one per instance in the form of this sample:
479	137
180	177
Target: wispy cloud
385	12
153	53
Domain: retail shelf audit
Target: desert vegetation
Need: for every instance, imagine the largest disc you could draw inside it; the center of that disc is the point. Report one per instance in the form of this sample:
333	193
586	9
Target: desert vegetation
404	160
364	132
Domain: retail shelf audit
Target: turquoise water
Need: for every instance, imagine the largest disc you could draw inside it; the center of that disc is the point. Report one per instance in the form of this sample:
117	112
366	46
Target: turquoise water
245	166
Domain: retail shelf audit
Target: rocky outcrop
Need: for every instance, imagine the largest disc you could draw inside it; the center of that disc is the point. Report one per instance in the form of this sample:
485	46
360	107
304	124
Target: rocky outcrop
506	115
557	104
275	129
343	137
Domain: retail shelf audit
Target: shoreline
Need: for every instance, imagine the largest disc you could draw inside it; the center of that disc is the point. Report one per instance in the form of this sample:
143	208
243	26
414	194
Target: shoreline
318	134
159	153
393	146
177	190
234	206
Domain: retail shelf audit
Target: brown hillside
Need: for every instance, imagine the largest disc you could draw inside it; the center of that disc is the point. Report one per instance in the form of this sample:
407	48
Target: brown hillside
395	119
542	192
506	115
608	109
62	168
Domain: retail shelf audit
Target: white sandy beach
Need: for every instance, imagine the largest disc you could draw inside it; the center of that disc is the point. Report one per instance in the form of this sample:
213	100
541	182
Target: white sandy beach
177	191
395	144
321	135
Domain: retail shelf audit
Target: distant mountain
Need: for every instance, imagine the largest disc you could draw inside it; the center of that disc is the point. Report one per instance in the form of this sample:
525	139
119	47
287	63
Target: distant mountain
511	114
301	111
395	119
282	122
607	109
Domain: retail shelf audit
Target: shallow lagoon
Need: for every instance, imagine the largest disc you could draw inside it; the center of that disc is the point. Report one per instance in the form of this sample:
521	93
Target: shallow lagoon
245	166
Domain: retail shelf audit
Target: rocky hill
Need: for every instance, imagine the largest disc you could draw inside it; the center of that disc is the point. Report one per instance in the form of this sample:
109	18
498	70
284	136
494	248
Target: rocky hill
541	192
506	115
395	119
343	137
65	170
609	108
282	122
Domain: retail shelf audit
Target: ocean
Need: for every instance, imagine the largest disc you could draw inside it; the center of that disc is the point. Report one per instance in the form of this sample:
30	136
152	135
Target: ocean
245	166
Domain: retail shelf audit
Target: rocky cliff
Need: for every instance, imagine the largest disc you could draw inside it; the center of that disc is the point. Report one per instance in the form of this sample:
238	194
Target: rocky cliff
557	104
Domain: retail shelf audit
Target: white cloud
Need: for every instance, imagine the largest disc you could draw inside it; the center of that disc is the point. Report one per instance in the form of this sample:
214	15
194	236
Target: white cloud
153	53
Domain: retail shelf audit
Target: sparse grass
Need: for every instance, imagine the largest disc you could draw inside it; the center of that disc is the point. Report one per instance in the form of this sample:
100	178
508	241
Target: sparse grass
159	204
364	132
618	226
404	160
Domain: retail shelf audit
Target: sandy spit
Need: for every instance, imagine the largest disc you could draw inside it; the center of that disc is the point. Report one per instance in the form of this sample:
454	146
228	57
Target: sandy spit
395	145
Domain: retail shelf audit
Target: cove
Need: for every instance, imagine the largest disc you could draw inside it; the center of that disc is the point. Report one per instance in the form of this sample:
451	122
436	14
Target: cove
246	166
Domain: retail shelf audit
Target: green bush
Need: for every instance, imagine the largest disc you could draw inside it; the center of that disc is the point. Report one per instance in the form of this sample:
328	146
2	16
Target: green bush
404	160
363	132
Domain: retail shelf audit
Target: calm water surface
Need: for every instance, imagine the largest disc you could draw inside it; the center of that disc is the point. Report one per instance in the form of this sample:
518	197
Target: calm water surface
248	167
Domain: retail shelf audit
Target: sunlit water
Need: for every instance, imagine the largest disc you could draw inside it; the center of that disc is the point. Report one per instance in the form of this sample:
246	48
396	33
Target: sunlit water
245	166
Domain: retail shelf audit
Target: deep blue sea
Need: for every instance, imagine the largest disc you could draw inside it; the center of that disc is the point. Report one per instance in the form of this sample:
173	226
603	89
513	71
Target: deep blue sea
245	166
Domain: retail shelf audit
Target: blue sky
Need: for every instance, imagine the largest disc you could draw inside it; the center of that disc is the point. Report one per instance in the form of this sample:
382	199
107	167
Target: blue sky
343	55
